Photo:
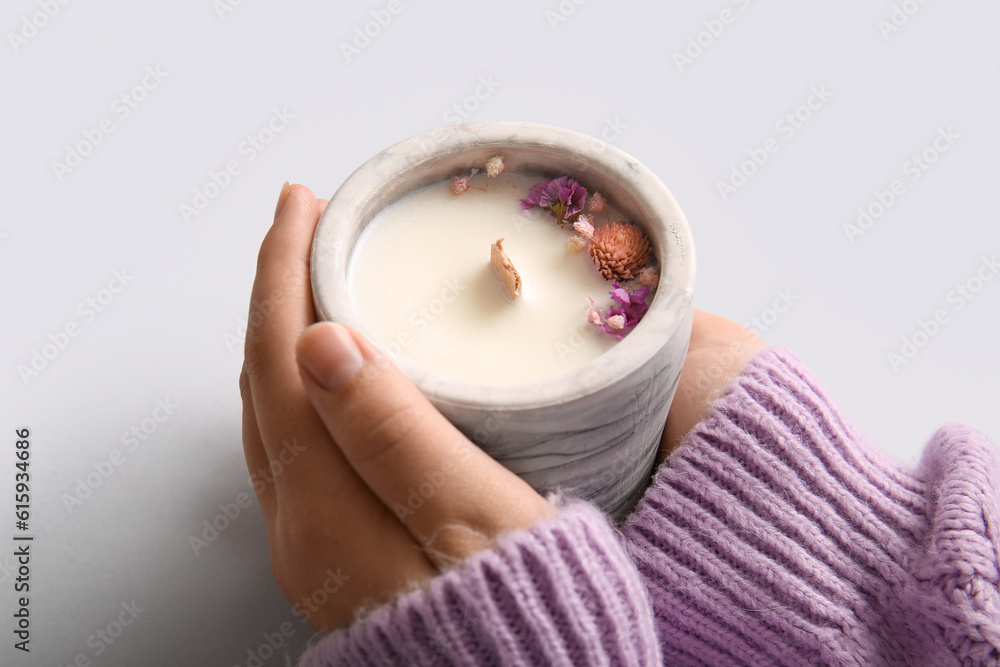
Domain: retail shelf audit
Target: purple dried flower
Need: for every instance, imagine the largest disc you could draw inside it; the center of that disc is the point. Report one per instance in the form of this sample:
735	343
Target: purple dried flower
535	195
624	314
620	295
563	196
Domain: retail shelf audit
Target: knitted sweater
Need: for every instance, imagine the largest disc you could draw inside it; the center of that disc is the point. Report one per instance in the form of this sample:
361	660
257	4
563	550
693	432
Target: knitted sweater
774	535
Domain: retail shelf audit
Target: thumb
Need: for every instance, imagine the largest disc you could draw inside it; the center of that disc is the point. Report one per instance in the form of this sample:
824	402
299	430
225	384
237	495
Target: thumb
451	496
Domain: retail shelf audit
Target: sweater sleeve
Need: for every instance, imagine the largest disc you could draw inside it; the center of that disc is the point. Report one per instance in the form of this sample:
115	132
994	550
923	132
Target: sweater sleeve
777	535
562	593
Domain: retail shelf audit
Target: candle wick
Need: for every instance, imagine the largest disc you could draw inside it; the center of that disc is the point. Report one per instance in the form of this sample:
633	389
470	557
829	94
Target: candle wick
506	277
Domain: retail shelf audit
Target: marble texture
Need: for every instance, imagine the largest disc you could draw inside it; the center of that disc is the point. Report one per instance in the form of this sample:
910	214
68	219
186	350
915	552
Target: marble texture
592	432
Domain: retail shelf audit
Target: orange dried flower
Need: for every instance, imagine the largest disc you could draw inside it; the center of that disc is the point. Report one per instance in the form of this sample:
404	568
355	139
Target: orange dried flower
619	249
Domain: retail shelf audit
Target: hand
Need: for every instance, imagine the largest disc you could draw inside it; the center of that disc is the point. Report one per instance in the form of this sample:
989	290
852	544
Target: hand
371	491
719	350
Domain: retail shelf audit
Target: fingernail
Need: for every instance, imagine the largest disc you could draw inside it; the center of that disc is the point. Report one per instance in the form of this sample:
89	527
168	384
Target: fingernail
281	199
329	354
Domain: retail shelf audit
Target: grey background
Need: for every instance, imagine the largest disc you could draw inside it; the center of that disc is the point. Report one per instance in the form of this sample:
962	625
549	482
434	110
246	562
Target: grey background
607	70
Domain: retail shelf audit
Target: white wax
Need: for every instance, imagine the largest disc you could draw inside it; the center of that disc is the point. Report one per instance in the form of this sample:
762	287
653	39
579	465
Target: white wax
419	279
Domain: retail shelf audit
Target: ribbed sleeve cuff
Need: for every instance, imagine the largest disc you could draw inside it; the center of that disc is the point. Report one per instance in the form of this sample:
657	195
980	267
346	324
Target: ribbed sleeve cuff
561	593
956	591
777	535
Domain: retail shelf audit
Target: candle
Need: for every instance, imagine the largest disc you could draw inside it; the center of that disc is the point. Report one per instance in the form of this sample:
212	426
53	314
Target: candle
587	423
420	278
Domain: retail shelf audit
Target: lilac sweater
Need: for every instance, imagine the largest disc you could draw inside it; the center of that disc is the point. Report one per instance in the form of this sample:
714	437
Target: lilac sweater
775	535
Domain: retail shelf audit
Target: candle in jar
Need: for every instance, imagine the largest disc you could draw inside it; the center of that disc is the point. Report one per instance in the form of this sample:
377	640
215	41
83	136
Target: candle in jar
419	277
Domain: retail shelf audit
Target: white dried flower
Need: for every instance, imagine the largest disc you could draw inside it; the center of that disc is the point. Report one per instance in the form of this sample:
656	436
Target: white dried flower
584	226
495	166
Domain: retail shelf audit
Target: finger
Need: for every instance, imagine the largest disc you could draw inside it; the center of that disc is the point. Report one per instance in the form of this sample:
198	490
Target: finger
253	445
295	441
255	454
280	308
280	302
326	510
451	496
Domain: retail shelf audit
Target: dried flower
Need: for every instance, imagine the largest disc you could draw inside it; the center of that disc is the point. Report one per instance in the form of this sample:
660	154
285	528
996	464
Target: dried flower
459	184
563	196
619	249
597	203
495	166
576	243
649	277
626	311
584	226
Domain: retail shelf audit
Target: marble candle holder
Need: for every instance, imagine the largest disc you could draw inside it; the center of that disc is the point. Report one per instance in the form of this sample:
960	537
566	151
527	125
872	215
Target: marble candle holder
592	432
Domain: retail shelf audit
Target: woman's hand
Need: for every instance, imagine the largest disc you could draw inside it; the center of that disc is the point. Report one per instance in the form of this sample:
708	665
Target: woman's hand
719	350
365	488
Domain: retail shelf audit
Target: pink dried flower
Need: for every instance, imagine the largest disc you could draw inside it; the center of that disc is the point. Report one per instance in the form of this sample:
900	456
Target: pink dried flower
597	203
576	243
649	277
459	184
584	226
619	249
616	322
594	316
